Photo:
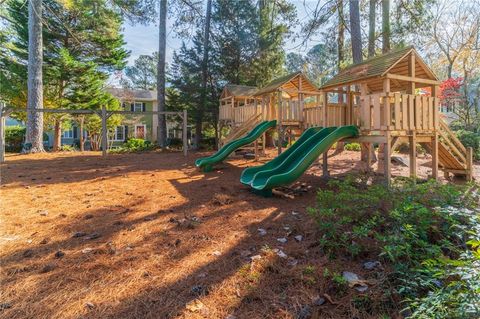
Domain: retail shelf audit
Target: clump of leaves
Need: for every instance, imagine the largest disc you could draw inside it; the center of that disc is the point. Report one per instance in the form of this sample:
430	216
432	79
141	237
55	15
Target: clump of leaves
428	233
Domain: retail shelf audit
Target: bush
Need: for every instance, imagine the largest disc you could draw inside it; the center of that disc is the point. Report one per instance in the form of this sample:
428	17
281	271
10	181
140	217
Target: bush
134	145
470	139
353	147
14	138
68	148
175	142
427	234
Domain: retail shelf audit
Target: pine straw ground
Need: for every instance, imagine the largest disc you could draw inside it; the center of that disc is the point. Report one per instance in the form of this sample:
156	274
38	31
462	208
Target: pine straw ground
172	242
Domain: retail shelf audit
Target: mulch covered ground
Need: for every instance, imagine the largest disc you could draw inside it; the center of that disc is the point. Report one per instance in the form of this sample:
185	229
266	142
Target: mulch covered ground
149	236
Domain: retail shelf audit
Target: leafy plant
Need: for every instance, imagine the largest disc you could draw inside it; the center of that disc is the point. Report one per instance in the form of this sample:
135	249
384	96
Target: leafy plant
353	147
14	137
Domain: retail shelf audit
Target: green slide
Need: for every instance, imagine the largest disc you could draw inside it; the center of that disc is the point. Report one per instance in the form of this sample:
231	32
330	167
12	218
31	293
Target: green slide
249	173
206	163
299	160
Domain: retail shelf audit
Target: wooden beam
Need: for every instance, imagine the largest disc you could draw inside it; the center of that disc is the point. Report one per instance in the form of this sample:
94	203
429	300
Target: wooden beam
412	142
469	164
435	157
279	122
411	79
386	159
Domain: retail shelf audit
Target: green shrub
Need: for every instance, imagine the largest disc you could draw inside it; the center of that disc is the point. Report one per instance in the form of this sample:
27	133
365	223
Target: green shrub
68	148
428	234
134	145
14	138
353	147
470	139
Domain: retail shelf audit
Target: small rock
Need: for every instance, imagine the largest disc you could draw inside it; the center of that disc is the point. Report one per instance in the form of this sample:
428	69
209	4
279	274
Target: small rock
177	242
28	253
216	253
319	301
399	160
230	317
88	216
128	248
44	241
202	275
245	253
305	312
89	305
256	257
280	253
5	305
148	218
87	250
47	268
370	265
350	277
292	262
63	215
299	238
199	290
362	288
194	305
262	232
287	228
282	240
59	254
294	213
79	234
92	236
43	212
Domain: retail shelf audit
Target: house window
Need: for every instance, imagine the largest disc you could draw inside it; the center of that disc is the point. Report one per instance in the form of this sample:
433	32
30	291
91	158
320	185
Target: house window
119	133
68	133
124	105
138	107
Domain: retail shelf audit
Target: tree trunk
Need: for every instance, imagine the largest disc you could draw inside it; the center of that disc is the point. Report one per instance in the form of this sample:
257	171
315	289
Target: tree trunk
341	36
82	140
162	125
203	102
355	31
371	28
57	135
34	134
385	26
340	47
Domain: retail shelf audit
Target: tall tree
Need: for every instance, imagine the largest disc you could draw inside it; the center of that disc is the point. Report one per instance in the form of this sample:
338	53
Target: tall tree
34	135
386	26
203	100
340	36
371	28
142	74
355	31
162	41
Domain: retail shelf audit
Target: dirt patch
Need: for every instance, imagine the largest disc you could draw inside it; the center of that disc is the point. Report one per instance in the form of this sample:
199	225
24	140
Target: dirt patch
149	236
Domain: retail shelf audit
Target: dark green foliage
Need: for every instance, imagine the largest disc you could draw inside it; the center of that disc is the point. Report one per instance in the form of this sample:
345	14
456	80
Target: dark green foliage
14	137
134	145
427	234
470	139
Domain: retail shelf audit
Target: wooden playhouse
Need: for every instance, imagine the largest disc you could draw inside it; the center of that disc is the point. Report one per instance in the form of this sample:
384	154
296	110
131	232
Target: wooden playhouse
391	98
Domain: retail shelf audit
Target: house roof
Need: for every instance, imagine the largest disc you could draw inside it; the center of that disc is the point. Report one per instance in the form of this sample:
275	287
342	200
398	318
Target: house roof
377	66
133	95
240	90
307	85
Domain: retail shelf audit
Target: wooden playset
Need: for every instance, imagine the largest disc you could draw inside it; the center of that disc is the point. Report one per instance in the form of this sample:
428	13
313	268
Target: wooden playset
391	99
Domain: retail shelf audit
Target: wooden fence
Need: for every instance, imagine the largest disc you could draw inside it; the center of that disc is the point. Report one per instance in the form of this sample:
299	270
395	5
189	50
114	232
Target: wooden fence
399	112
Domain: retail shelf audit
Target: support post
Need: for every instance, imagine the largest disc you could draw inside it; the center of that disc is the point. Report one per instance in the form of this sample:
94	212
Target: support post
279	123
386	158
2	134
469	164
325	164
325	111
412	142
435	156
184	135
104	131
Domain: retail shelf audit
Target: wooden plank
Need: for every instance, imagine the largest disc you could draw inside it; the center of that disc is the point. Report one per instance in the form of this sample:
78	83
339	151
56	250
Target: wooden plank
386	159
452	146
411	112
404	111
387	112
398	116
412	79
431	113
469	164
425	112
418	112
376	112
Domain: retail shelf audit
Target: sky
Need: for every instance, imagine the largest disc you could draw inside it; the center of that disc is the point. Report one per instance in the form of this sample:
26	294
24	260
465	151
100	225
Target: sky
143	39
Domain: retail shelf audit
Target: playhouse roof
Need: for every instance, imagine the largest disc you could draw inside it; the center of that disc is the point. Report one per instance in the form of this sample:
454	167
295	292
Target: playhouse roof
133	95
394	61
239	90
290	83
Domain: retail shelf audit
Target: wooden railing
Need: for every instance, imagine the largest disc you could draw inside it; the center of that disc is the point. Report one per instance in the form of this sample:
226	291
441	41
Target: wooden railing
225	113
243	113
312	116
291	111
398	112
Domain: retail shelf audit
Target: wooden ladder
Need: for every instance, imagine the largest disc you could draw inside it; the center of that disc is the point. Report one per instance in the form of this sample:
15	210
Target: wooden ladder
242	129
452	155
